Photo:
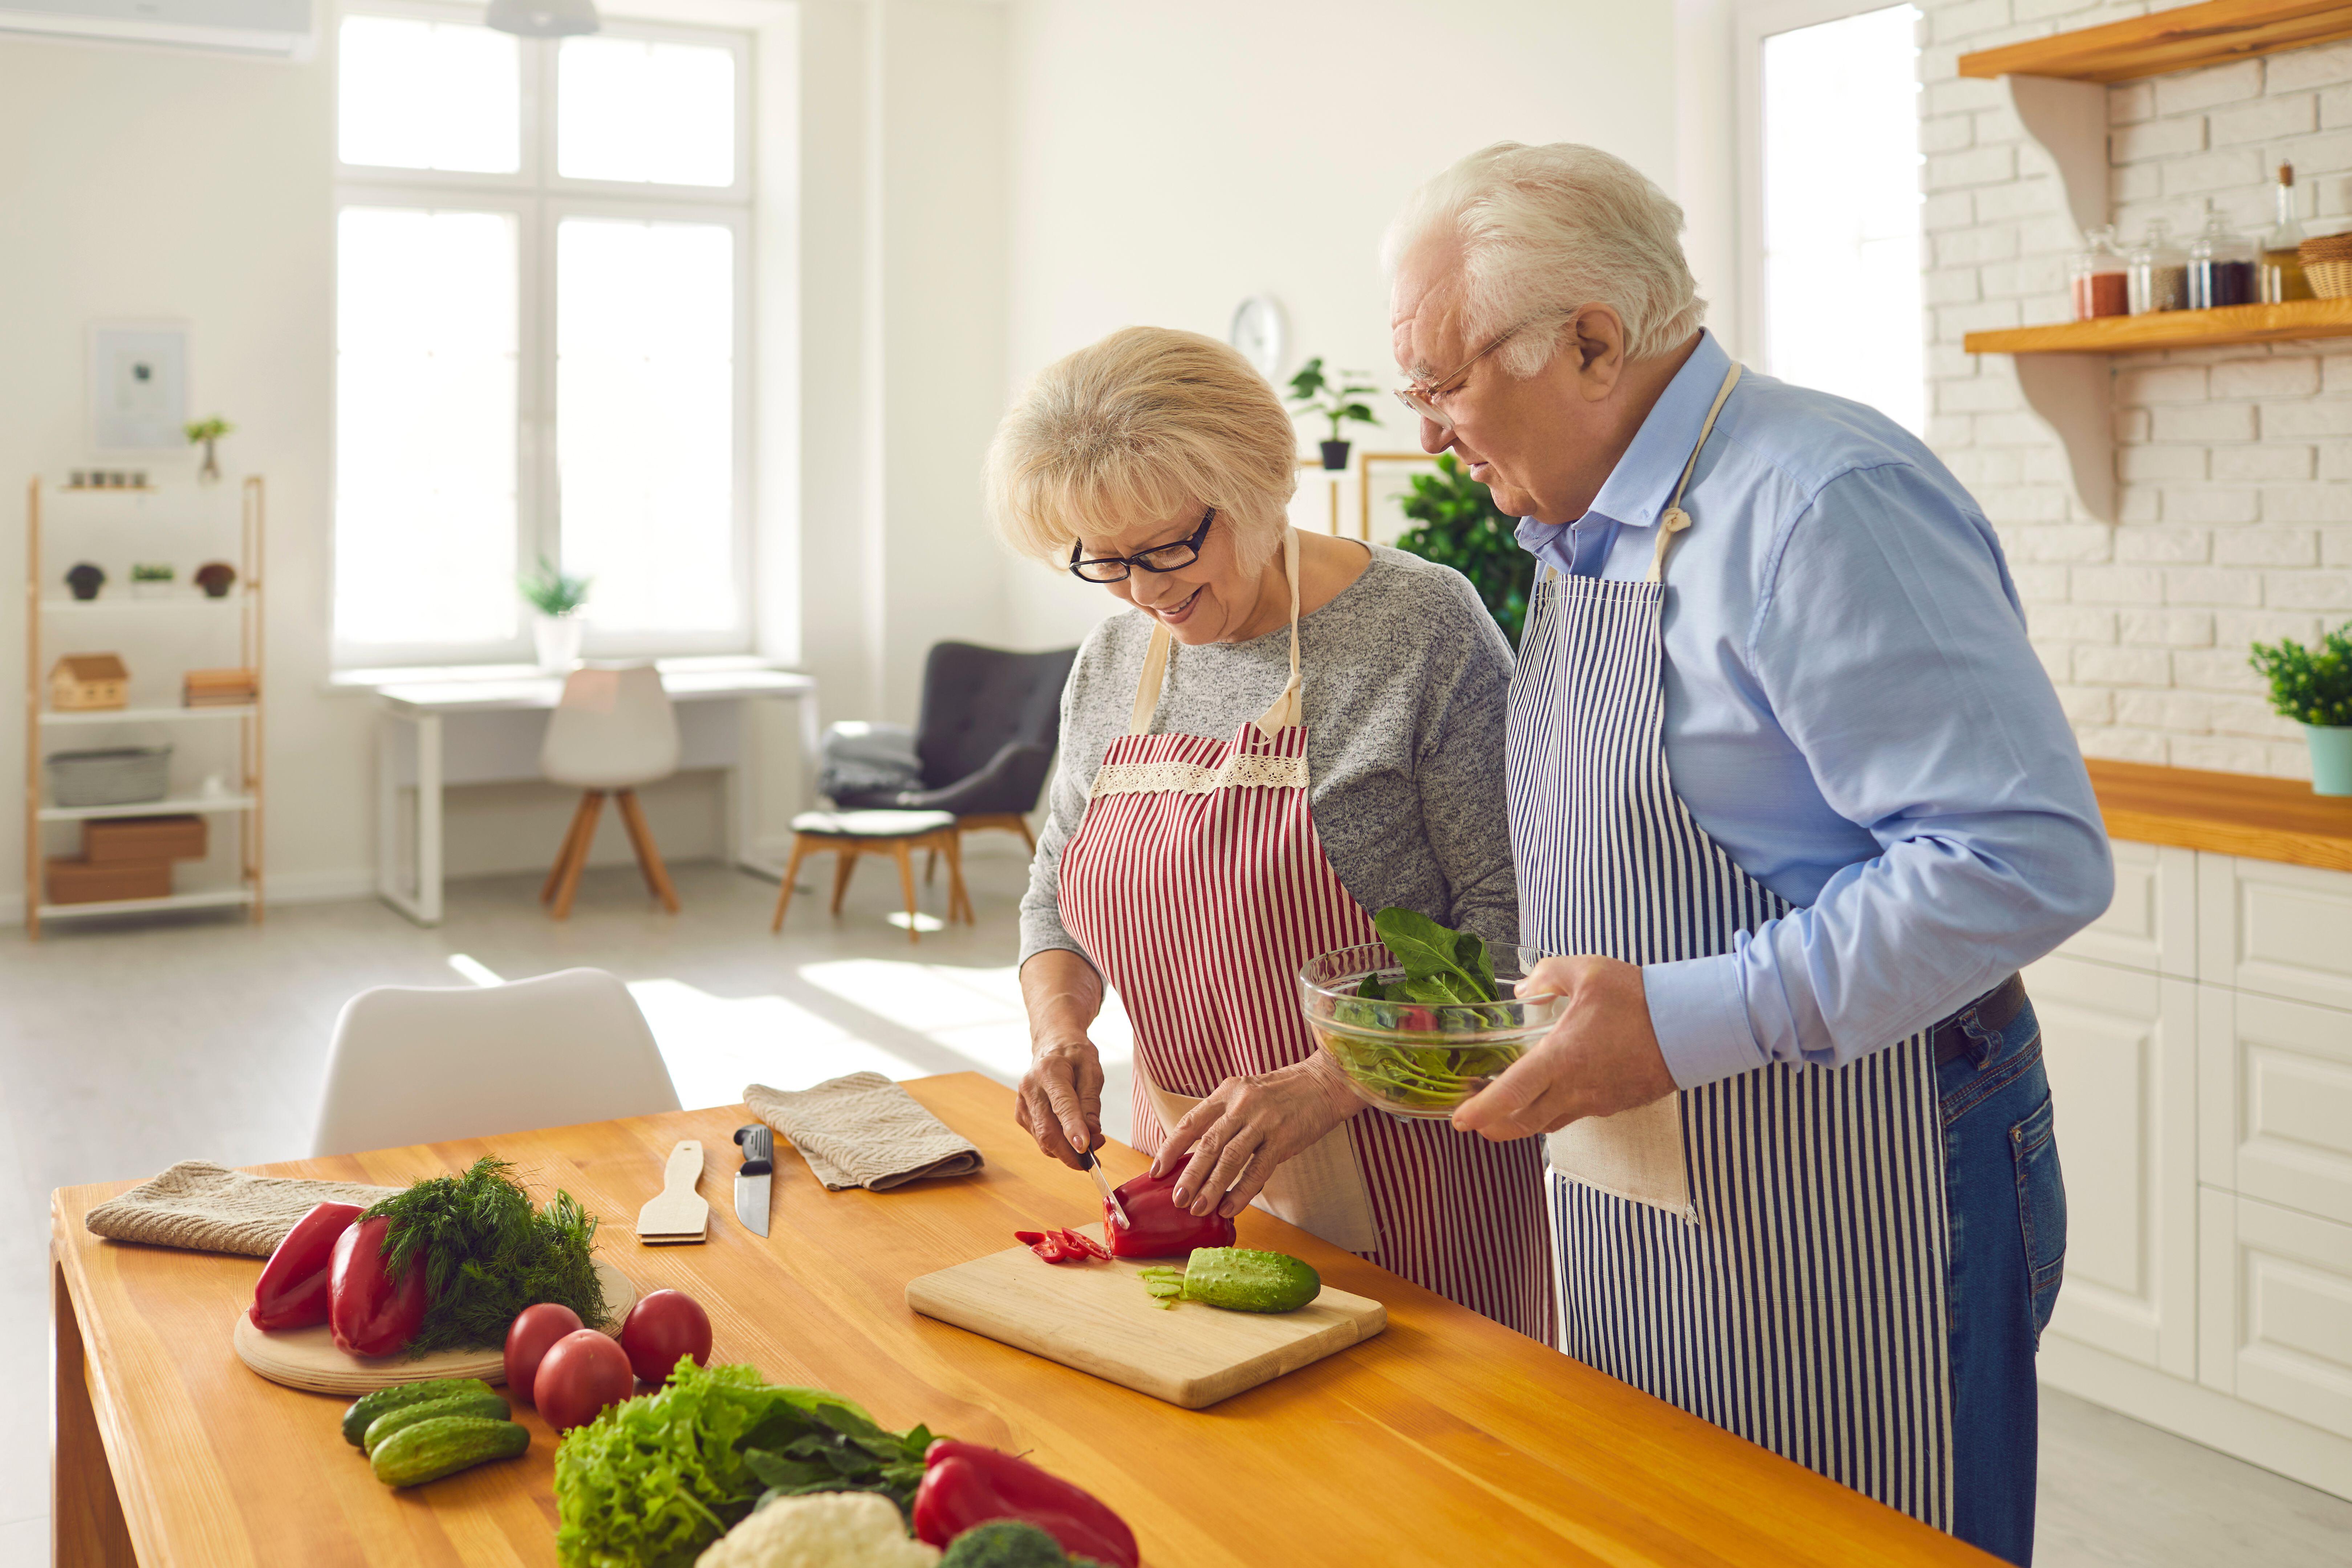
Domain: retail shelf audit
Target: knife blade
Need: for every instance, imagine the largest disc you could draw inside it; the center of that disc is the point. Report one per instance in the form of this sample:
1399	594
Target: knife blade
1102	1185
752	1178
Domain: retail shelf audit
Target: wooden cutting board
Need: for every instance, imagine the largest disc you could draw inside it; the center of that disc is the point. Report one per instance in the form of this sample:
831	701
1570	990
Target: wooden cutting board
307	1359
1097	1317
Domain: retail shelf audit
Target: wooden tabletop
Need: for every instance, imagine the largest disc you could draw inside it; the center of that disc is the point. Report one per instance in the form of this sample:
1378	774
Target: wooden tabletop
1446	1439
2231	814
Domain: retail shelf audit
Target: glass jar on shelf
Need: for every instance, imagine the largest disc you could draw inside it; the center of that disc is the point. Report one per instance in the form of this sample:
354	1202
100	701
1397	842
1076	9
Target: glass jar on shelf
2159	273
2279	272
2221	267
2102	283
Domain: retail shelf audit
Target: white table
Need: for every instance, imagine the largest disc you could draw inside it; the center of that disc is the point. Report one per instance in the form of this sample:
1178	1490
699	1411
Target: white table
413	750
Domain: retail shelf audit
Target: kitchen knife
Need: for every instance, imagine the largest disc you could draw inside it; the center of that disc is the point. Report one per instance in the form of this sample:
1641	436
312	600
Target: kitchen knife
759	1145
1102	1185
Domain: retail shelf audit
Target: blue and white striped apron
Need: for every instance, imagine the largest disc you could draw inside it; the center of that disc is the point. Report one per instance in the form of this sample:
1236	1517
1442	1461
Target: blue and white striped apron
1799	1299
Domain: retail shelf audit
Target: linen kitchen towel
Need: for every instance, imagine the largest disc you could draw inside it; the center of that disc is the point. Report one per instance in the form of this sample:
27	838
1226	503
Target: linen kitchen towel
863	1130
211	1208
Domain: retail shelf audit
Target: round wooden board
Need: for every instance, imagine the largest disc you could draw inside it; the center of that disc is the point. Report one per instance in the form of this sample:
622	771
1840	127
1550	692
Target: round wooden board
307	1359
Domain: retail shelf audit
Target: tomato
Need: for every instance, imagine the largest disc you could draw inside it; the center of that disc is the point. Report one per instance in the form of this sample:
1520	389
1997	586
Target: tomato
528	1339
581	1374
661	1328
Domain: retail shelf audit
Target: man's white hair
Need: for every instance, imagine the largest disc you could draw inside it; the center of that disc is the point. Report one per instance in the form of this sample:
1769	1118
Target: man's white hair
1540	231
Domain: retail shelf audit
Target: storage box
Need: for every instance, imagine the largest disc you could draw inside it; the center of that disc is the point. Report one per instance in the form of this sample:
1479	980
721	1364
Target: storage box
80	882
118	840
219	688
89	683
117	775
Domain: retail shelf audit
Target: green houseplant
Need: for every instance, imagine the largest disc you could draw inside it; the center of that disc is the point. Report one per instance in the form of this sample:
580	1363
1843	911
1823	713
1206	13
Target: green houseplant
557	597
206	433
1334	398
2313	685
1459	525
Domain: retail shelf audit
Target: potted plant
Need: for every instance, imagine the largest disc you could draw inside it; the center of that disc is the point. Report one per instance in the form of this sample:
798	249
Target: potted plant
1312	392
207	433
556	631
151	580
1461	527
2313	687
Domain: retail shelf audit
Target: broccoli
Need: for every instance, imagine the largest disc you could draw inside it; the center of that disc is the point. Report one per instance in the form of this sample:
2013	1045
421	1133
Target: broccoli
1010	1543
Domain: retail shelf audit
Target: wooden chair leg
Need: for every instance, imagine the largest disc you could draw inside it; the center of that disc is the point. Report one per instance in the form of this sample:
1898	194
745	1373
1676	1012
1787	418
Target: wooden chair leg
593	808
641	839
843	864
791	873
571	846
930	867
959	897
1026	836
907	882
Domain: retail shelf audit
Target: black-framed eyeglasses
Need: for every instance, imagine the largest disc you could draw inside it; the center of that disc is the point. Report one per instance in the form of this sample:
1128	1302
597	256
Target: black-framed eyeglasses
1161	558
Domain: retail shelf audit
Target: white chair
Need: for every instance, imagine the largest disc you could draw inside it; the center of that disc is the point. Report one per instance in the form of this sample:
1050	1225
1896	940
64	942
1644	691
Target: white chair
613	731
416	1066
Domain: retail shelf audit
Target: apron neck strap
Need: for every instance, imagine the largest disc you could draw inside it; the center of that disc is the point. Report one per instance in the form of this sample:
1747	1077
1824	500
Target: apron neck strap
1675	519
1286	709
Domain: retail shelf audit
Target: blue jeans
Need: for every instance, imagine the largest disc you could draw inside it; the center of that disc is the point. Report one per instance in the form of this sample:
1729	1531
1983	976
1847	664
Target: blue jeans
2007	1208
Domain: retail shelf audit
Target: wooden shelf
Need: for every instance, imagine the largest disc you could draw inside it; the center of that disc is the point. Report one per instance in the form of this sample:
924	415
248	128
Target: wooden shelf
221	898
200	804
147	715
2179	39
2230	814
2173	330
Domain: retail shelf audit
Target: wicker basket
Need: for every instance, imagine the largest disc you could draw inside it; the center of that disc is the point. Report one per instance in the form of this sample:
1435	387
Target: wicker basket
121	775
2329	280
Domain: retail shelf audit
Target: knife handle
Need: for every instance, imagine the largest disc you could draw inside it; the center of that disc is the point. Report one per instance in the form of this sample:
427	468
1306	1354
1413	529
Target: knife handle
759	1146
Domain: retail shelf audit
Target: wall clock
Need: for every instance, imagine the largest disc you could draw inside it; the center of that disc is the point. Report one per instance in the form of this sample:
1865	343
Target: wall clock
1257	333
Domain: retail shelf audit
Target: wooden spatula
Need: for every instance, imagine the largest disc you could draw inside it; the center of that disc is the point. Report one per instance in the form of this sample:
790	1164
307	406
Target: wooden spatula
676	1214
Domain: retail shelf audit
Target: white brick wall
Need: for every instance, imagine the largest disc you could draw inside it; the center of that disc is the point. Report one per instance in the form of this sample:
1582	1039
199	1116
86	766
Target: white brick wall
2234	476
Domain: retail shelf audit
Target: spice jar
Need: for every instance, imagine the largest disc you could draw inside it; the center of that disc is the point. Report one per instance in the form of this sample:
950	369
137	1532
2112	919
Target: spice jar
2281	269
2160	274
2221	267
2101	278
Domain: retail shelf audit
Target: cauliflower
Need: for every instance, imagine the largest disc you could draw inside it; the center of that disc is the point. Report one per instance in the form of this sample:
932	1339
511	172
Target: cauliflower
823	1530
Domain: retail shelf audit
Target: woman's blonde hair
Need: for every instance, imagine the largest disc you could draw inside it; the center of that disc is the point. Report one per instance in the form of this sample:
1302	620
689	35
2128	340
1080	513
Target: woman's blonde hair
1140	426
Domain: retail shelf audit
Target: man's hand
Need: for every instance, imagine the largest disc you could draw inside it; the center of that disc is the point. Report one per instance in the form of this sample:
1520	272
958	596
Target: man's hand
1602	1058
1239	1136
1060	1102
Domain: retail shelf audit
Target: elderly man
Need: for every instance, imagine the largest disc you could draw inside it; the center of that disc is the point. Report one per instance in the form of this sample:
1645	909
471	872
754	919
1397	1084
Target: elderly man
1791	788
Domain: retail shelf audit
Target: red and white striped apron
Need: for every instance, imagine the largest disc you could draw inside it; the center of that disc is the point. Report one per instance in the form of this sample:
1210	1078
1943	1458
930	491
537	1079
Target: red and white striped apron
1198	888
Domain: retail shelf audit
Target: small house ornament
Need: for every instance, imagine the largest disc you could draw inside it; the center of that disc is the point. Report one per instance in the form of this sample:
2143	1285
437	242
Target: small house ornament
85	682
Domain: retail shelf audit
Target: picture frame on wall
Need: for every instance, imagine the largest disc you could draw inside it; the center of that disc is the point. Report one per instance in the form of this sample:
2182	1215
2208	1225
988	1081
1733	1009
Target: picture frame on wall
139	386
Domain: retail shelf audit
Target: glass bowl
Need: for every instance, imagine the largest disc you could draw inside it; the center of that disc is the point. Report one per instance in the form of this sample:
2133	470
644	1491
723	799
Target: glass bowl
1411	1059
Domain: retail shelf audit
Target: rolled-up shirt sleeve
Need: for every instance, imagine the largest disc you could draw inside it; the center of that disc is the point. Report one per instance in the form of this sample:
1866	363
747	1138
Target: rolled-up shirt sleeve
1889	646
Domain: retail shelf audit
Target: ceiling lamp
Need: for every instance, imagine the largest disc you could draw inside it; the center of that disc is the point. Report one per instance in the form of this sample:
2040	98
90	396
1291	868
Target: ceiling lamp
543	19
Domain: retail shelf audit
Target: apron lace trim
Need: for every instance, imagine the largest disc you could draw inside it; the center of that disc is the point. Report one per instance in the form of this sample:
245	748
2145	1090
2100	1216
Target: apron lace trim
1244	770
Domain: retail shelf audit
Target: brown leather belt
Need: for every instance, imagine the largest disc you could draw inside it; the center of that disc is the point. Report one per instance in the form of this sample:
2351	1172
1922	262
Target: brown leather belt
1994	1010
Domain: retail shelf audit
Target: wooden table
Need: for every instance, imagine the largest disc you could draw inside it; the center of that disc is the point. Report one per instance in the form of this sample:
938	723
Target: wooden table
1446	1439
2230	814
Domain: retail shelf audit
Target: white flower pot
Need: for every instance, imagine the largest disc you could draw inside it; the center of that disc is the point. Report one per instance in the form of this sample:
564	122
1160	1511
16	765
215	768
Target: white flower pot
558	638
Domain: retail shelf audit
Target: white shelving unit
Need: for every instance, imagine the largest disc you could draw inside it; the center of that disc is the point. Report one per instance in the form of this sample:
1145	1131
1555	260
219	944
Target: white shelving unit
243	805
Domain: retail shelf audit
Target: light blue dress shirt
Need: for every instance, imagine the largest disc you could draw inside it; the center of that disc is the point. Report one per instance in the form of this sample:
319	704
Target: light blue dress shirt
1853	712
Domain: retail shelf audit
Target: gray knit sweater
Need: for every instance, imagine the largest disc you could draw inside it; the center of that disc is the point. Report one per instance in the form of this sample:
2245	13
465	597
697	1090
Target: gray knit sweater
1404	677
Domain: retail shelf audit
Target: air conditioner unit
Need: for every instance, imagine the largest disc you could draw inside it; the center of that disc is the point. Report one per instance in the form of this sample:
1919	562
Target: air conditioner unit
265	30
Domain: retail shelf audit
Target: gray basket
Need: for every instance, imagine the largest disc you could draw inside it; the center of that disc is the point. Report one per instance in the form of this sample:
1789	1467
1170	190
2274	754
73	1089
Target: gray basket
118	775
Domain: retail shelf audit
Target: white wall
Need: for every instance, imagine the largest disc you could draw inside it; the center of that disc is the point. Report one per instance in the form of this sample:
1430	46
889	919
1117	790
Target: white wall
1167	161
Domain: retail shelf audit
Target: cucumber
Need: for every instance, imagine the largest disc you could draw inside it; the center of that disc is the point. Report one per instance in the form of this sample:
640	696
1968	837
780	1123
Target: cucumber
368	1406
442	1445
488	1406
1238	1279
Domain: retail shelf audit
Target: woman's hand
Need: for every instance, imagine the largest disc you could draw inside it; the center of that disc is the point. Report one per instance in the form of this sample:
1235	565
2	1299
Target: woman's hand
1241	1135
1061	1099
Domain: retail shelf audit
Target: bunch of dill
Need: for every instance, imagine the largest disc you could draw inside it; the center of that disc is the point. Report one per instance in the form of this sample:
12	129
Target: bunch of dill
488	1253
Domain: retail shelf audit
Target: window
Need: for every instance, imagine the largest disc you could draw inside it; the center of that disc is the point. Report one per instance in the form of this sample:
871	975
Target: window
1830	116
541	342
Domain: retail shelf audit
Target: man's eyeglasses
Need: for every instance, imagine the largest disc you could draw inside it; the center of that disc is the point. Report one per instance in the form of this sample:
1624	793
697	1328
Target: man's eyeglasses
1422	397
1160	558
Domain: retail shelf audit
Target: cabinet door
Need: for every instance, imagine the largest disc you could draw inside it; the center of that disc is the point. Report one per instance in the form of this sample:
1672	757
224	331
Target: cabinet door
2121	1052
2152	922
2278	930
2277	1310
2275	1100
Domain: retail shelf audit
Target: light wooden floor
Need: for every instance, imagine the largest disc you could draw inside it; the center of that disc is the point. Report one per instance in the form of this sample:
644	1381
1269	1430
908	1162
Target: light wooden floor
122	1050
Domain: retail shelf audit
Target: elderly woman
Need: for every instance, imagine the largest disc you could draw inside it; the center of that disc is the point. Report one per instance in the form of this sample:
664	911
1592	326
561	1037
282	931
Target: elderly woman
1282	732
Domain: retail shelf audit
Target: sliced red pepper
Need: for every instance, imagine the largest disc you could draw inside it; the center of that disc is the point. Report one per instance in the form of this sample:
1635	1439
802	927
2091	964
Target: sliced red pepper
1157	1228
372	1314
1045	1244
965	1485
293	1291
1084	1245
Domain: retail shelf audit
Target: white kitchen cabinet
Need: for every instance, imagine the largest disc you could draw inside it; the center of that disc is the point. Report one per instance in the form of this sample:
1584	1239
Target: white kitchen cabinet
2121	1051
2275	1316
2274	1100
2275	929
2152	922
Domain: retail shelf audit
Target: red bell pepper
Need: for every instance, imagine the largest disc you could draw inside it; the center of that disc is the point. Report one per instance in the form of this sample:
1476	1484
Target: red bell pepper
371	1313
1157	1228
1084	1246
293	1290
1061	1245
966	1485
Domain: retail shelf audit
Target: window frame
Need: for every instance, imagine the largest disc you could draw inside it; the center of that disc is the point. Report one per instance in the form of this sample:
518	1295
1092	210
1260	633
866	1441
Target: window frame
540	201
